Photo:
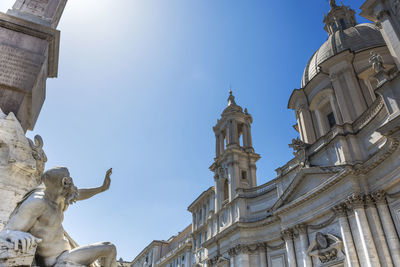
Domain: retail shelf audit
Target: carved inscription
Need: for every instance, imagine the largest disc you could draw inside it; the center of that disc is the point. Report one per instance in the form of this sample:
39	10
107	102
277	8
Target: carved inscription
36	7
19	68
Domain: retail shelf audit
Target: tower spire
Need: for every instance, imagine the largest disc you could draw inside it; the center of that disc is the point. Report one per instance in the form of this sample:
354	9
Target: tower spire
339	18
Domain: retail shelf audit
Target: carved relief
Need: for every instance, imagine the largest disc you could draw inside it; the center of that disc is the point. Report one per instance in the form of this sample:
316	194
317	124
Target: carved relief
326	248
299	151
38	154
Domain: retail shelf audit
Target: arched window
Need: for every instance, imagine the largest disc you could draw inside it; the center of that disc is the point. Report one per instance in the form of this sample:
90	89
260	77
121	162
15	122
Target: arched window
226	190
325	112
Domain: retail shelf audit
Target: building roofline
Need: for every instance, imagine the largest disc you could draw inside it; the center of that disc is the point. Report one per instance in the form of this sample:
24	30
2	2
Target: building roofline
210	189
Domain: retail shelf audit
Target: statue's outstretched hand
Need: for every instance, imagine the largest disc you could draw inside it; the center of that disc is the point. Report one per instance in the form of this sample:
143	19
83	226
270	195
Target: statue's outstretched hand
107	180
26	240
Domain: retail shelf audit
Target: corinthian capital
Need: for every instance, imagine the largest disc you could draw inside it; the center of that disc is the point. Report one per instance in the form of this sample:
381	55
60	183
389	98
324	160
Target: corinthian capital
379	197
369	200
355	201
340	210
301	228
287	234
333	76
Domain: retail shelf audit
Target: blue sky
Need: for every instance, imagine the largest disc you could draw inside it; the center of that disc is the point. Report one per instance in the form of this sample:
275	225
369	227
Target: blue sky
142	82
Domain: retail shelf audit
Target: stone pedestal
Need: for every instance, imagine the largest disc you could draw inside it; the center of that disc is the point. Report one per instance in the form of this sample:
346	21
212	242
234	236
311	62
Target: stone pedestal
28	56
9	257
18	173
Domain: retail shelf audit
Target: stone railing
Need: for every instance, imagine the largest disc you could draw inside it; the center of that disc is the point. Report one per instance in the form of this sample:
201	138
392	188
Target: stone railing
257	191
186	243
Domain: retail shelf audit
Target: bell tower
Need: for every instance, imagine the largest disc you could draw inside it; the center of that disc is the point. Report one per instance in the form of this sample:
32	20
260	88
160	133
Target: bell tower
339	18
235	161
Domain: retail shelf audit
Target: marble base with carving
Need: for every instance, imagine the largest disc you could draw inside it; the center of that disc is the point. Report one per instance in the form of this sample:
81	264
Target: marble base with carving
10	257
327	249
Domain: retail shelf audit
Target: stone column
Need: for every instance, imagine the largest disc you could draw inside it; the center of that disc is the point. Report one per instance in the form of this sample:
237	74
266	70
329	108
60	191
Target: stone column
357	99
335	109
188	259
243	256
263	257
302	230
321	125
367	241
291	254
349	248
245	132
374	220
388	226
250	140
306	124
232	255
340	97
217	145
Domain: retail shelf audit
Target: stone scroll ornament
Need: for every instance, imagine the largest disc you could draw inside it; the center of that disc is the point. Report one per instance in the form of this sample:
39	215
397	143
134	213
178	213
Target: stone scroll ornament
299	151
38	154
327	248
34	229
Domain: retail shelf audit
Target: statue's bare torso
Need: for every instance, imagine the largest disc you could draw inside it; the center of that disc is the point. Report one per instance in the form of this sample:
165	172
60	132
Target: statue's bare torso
48	227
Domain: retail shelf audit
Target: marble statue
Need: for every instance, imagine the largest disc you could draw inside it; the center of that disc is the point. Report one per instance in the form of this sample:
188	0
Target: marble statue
376	61
37	221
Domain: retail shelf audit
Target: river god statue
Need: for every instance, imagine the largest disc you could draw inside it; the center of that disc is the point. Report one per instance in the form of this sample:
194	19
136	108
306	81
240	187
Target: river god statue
37	222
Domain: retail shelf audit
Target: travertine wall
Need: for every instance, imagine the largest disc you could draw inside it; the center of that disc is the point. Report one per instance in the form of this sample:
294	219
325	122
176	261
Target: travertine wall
17	165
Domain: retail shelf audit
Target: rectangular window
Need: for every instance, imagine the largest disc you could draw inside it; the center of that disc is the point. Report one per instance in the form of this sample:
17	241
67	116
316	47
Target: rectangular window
331	119
342	23
244	175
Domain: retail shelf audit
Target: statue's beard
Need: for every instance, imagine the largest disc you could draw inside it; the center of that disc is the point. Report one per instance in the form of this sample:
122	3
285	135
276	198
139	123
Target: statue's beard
71	195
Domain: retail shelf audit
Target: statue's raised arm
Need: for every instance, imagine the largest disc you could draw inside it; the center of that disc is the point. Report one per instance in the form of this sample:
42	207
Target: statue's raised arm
88	193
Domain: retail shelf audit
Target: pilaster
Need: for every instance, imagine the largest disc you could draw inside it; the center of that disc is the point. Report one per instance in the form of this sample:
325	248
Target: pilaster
347	237
302	231
388	226
287	235
374	219
356	201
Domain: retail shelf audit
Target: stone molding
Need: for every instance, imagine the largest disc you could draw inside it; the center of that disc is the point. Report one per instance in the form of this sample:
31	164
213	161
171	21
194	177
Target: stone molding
323	224
245	249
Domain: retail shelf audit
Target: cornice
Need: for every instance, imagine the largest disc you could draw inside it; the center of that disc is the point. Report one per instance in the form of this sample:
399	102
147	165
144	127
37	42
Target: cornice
388	149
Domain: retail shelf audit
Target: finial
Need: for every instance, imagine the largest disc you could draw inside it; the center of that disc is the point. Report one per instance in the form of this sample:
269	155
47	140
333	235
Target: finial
332	3
231	98
245	111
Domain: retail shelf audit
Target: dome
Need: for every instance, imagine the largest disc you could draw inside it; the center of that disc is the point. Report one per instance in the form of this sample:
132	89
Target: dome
356	38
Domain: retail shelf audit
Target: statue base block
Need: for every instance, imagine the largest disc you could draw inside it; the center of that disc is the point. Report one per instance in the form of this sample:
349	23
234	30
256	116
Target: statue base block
9	257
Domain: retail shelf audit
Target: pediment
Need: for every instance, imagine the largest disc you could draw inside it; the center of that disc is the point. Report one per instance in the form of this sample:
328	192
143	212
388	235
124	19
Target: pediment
305	180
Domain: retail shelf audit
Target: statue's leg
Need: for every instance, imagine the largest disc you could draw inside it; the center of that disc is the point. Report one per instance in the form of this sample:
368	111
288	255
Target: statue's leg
86	255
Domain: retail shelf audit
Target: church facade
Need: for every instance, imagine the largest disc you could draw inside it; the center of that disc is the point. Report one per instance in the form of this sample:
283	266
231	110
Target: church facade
337	202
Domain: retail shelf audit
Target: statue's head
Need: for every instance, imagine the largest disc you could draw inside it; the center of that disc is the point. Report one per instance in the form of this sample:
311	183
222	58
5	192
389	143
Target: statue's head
58	180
